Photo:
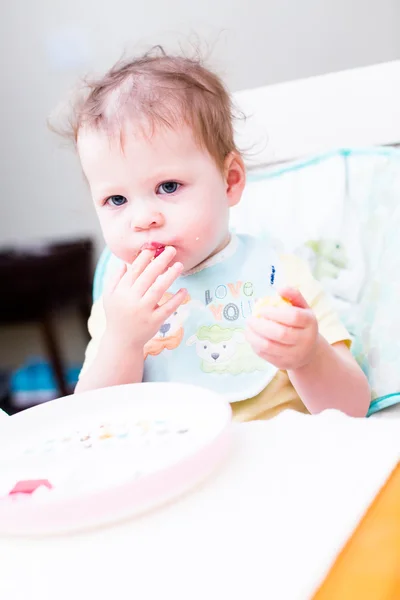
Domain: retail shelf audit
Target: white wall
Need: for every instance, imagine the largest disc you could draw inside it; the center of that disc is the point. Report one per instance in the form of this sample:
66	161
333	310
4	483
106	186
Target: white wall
253	42
259	42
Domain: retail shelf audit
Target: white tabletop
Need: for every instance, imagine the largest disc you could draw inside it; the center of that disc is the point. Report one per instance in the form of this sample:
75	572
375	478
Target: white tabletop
268	524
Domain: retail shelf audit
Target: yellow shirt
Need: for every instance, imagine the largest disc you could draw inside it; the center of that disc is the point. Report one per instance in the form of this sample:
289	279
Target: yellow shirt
279	393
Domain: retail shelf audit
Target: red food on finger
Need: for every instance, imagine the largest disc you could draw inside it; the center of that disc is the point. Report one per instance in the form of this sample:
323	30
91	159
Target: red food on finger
159	251
155	247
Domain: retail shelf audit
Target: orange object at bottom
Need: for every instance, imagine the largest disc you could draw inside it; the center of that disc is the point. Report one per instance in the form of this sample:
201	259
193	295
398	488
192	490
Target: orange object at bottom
368	568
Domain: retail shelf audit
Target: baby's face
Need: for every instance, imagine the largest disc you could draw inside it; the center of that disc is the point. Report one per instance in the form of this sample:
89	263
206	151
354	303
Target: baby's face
161	188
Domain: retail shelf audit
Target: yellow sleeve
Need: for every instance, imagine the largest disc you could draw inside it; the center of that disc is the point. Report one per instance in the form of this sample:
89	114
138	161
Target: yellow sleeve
298	275
96	326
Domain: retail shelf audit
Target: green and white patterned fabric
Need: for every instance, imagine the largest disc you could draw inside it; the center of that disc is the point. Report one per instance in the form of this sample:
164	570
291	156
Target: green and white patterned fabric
341	212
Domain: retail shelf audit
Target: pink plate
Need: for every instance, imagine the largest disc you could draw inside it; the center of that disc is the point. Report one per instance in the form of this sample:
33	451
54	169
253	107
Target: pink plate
94	458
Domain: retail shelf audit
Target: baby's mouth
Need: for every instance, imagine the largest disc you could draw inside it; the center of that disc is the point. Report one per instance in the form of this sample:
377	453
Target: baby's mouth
155	247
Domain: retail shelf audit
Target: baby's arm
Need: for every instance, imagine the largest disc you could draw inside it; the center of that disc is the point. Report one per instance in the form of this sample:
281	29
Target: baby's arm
114	364
324	375
132	317
332	379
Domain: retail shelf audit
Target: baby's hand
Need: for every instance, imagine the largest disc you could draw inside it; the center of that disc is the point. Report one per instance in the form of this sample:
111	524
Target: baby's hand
131	300
285	336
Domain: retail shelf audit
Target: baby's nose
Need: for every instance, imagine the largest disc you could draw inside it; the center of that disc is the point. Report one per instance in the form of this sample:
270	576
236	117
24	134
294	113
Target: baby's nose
146	217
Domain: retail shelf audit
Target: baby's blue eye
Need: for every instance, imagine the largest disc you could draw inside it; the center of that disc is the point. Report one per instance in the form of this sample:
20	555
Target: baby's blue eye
169	187
116	200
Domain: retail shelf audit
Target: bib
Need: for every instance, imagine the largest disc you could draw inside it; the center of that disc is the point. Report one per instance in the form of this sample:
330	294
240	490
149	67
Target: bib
204	342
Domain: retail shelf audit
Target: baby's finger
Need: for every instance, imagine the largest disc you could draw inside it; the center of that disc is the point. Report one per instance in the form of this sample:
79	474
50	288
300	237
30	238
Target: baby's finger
284	334
156	268
163	312
294	296
114	279
267	349
162	284
137	267
287	315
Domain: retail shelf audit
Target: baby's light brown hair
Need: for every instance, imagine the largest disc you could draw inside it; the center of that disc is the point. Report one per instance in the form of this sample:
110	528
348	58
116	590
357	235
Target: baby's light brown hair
157	89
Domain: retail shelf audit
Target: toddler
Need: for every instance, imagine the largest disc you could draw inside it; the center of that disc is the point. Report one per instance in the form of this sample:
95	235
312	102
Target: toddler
155	140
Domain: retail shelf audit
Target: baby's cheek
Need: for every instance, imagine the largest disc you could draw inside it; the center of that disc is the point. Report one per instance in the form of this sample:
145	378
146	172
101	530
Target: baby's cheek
119	245
204	232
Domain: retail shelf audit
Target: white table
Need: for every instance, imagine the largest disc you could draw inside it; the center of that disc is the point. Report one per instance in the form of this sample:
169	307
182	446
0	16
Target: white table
267	525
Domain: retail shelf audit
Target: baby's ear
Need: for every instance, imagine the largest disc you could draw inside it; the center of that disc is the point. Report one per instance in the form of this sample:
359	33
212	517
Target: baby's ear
235	177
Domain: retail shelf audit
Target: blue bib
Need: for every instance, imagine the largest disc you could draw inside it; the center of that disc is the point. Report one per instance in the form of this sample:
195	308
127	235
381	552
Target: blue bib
204	343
